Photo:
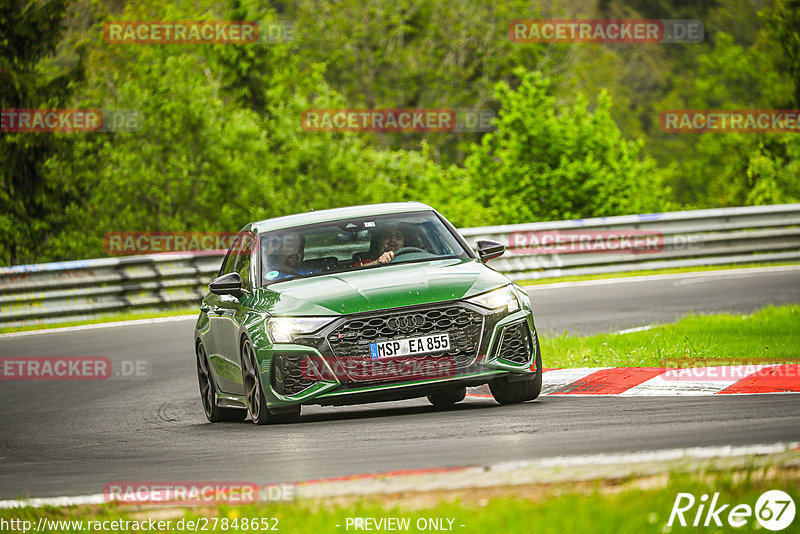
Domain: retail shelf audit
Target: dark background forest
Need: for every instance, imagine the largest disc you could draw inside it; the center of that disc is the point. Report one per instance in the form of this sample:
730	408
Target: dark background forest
220	142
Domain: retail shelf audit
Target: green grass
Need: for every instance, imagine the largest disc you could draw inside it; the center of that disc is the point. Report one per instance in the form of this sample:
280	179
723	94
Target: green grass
606	276
126	316
769	335
612	507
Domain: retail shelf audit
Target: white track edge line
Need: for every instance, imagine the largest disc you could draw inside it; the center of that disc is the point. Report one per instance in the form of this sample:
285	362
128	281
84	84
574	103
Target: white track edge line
667	276
78	328
660	455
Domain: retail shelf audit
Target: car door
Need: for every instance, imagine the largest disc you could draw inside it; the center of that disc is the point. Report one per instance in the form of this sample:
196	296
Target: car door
210	308
212	305
228	319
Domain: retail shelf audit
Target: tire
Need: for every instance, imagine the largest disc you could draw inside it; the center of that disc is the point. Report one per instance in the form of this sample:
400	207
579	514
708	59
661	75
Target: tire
447	397
254	394
208	390
507	392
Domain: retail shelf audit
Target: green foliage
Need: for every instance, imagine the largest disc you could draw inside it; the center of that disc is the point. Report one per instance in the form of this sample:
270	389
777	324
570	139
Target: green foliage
211	157
735	169
763	336
221	142
545	162
783	24
408	53
29	35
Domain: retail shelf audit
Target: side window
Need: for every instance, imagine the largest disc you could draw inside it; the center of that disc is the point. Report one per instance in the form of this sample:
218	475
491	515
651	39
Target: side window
243	265
229	263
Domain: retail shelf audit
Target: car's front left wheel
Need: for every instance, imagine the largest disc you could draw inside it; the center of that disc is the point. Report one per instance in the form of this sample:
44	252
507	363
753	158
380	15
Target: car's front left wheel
447	397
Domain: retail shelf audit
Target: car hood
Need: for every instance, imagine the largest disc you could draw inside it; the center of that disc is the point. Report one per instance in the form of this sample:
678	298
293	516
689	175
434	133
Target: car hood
391	286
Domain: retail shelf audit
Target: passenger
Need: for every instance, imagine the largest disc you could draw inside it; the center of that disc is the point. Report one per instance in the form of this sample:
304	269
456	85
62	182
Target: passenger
285	257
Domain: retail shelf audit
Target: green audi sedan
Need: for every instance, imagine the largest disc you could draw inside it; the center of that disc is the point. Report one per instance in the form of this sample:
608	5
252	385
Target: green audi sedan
362	304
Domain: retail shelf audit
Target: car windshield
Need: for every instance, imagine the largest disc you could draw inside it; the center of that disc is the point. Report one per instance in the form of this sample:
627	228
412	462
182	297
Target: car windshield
353	244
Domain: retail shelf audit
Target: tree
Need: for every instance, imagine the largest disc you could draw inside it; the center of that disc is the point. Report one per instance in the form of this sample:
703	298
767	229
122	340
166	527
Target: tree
783	23
29	36
407	53
719	169
212	152
548	163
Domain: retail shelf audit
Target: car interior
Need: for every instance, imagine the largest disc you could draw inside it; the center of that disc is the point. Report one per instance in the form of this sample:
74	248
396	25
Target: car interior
346	248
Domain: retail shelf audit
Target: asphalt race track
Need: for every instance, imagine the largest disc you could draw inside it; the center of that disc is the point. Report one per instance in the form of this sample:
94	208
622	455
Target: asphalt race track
72	437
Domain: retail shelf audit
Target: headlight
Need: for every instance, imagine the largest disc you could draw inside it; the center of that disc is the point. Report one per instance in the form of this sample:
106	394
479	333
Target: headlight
497	299
283	329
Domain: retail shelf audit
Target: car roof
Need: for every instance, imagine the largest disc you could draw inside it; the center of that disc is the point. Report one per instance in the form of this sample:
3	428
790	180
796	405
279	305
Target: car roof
335	214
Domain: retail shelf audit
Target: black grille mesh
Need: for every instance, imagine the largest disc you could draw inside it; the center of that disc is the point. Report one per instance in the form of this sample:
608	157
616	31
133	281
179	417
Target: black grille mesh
516	345
352	338
288	373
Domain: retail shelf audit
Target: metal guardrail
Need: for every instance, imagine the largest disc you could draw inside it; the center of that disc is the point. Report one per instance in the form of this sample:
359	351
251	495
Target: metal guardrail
755	234
75	290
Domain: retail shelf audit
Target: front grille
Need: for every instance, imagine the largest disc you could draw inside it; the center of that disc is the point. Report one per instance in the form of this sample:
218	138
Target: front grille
516	344
352	338
291	373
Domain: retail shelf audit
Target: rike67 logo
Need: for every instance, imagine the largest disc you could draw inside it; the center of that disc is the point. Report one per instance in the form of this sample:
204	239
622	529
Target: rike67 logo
774	510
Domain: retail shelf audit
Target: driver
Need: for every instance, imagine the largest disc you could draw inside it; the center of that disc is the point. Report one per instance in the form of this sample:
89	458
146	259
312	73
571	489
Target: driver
390	239
285	257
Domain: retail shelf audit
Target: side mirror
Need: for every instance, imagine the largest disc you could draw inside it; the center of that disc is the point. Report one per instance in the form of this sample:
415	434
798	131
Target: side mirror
227	284
489	250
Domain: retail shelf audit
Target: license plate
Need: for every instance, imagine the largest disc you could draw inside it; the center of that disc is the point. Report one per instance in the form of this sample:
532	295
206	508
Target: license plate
410	346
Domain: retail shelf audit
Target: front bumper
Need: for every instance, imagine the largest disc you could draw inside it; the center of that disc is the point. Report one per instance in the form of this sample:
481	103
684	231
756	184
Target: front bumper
332	367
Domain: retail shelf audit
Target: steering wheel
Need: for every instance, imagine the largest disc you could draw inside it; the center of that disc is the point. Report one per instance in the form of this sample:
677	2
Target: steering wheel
407	250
